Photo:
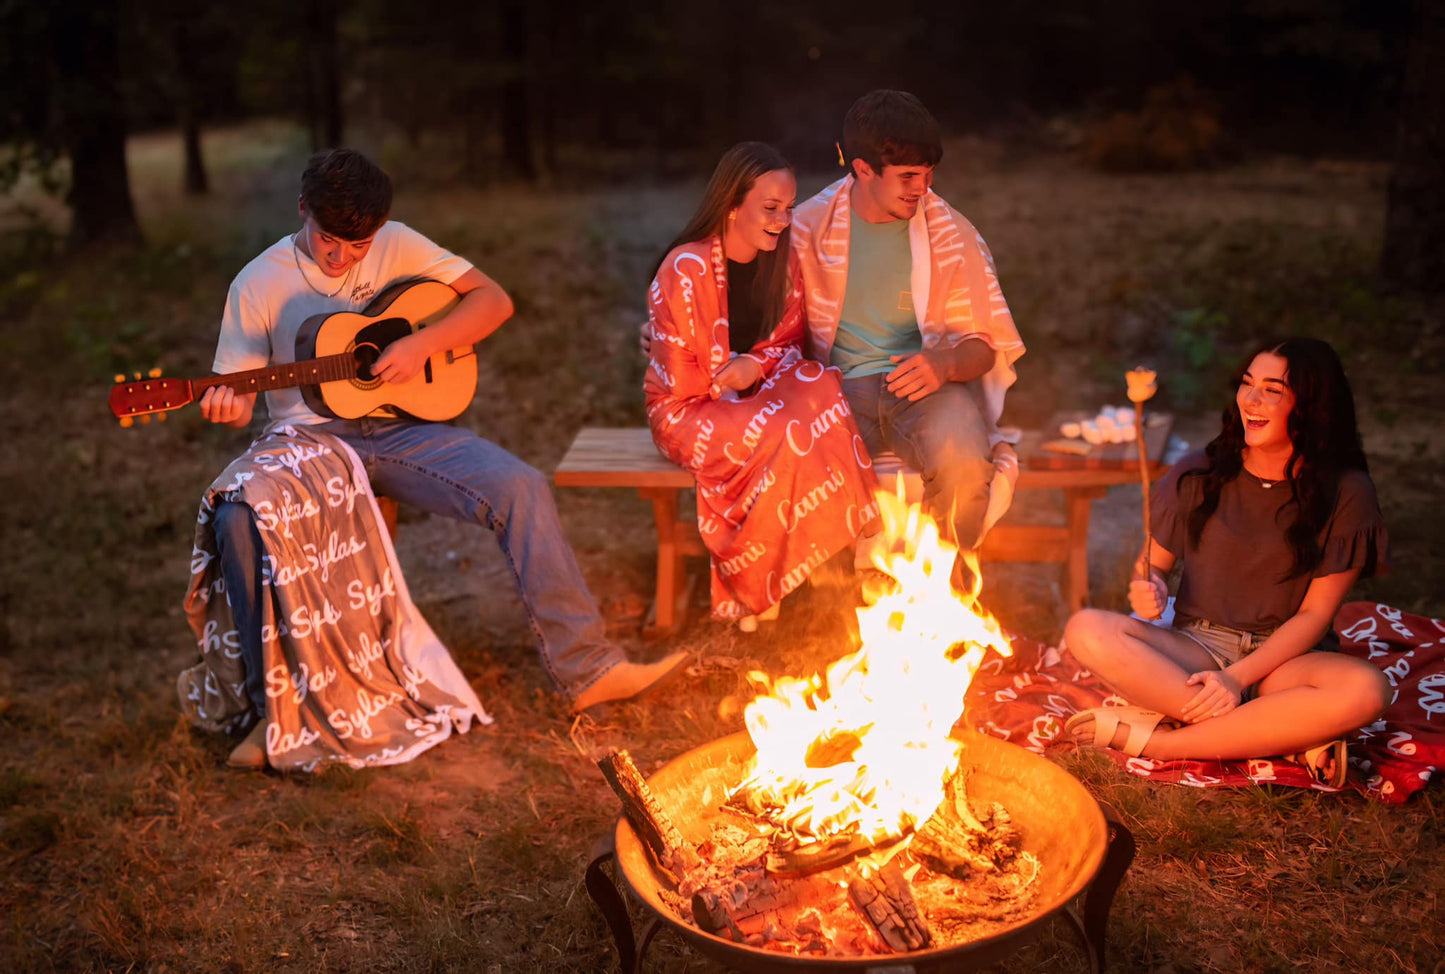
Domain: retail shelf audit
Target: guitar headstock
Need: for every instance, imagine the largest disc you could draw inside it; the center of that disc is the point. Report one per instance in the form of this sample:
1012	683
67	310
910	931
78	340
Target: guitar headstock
140	398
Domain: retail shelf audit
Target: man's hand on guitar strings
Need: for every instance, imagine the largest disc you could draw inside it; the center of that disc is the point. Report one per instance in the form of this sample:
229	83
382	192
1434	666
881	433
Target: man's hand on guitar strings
402	360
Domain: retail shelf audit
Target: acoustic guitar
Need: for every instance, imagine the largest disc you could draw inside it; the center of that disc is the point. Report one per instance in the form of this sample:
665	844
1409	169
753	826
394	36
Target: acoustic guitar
335	353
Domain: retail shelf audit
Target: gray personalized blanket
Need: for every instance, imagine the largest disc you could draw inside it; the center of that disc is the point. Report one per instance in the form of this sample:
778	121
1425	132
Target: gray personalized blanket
353	672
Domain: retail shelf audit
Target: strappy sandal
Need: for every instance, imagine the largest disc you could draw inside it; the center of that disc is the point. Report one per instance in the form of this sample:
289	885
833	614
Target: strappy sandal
1140	723
1315	761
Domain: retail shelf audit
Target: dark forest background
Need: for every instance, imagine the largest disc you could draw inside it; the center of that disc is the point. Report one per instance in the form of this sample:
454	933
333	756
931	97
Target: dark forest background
565	92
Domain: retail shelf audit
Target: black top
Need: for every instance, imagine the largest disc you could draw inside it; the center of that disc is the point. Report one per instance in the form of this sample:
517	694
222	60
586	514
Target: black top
745	316
1237	575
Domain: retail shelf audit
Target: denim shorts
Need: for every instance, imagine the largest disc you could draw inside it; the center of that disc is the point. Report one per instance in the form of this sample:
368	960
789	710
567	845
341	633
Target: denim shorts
1224	645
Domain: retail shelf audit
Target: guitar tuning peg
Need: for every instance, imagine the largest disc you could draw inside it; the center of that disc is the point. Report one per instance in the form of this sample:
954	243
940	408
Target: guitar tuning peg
144	420
127	422
161	417
120	377
137	375
154	373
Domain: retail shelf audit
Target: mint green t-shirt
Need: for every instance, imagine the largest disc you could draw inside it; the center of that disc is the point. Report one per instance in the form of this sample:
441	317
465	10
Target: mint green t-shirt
877	319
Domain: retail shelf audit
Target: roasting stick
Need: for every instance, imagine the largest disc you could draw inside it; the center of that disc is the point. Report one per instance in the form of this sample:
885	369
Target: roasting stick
1141	386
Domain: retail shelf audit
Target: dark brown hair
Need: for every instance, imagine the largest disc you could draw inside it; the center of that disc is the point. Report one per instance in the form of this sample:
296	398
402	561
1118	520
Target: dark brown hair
348	195
736	172
891	128
1322	430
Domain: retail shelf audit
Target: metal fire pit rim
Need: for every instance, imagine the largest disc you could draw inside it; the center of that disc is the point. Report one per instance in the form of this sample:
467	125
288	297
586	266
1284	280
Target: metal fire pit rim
629	848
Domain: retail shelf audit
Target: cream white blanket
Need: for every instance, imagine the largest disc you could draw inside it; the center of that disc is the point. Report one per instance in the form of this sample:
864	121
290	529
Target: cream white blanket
353	672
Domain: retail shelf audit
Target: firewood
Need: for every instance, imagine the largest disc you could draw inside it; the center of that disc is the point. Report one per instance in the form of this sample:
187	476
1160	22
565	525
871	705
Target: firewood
754	905
813	857
954	841
886	899
674	854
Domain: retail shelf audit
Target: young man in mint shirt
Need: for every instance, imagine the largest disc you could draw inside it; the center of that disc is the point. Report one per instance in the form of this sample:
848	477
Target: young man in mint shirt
903	298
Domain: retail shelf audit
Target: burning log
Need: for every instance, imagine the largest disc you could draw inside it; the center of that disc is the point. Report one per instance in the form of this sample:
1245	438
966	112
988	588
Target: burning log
755	907
812	857
844	766
746	906
748	903
674	854
886	899
758	908
954	841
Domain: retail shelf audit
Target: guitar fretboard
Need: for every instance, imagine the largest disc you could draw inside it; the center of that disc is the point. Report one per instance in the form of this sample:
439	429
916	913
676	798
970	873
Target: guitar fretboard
331	368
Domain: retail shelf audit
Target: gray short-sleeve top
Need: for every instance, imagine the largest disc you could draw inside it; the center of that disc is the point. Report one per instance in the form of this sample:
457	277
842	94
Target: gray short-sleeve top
1238	576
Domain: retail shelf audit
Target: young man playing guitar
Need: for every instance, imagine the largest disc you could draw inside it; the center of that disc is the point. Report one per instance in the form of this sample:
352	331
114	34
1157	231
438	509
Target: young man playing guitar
344	255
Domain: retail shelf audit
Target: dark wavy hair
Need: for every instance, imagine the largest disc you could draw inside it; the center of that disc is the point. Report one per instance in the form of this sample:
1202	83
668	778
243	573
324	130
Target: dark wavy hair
736	172
1322	429
347	193
891	128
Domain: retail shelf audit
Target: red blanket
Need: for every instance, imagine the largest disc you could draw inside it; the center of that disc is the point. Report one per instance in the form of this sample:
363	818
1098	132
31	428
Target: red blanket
1026	700
784	481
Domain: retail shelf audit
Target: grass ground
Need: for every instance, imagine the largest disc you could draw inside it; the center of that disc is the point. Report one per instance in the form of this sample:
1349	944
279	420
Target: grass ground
125	844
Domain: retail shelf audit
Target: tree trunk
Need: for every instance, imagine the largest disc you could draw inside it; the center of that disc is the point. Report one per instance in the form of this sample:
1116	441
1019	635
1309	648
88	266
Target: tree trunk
188	101
1413	254
196	183
84	42
323	74
517	156
542	49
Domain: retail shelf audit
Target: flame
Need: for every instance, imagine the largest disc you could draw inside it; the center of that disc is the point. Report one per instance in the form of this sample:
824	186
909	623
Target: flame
866	749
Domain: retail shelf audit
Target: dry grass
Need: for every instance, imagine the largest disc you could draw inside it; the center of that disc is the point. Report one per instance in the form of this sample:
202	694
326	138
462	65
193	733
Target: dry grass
128	846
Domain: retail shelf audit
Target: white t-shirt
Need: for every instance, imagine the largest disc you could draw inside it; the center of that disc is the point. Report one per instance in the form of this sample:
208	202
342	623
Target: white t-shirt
277	291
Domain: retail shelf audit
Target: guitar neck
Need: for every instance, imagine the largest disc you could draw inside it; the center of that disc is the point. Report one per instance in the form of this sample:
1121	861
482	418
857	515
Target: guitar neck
330	368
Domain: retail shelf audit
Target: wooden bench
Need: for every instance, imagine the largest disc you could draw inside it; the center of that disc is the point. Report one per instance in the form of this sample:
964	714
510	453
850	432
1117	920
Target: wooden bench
628	458
389	513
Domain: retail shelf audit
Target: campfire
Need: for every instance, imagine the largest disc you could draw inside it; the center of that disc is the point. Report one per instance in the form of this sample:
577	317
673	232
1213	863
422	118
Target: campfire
847	824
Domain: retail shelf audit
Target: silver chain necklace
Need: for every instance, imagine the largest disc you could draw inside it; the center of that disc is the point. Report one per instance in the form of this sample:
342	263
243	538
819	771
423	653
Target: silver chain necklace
296	256
1266	484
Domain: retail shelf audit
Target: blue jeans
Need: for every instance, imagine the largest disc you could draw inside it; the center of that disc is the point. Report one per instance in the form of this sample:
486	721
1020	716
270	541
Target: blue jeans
943	436
446	470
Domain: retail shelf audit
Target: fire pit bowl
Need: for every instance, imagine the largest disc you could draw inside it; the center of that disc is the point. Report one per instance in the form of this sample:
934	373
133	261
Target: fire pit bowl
1061	824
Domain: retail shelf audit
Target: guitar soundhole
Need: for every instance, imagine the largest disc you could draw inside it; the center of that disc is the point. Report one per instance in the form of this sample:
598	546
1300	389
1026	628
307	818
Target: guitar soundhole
366	355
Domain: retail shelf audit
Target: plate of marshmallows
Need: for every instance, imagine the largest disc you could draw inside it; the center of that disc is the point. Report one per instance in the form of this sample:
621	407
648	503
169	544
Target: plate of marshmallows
1112	424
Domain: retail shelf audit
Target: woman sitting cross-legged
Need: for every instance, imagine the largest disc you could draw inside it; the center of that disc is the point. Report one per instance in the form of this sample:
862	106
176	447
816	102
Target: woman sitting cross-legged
1274	522
783	479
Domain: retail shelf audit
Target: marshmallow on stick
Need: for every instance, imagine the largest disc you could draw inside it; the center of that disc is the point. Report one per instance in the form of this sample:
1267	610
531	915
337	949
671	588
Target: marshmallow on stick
1141	388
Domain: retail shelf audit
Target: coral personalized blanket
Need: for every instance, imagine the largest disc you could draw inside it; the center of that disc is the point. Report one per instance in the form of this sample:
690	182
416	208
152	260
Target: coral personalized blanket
353	672
1027	698
784	481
